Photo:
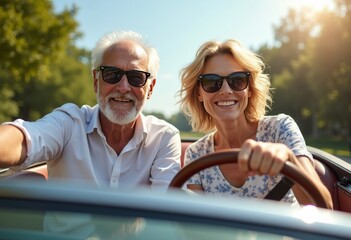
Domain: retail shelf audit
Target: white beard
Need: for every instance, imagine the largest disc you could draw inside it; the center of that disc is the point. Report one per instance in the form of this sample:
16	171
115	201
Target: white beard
121	117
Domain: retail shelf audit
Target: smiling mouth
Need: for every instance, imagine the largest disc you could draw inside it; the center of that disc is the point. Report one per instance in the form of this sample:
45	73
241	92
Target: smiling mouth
226	103
121	100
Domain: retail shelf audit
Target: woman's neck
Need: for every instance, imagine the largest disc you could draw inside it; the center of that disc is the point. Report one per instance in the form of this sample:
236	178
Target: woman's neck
234	135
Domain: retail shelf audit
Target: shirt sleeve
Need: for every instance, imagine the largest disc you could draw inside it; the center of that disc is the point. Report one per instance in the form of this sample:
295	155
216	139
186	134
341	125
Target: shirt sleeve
45	137
167	162
289	134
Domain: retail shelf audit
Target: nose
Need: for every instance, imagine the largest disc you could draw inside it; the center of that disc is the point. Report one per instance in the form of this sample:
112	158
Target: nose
123	85
225	89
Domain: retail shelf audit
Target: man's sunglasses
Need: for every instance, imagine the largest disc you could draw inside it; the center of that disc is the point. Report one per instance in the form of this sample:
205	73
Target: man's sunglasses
237	81
113	75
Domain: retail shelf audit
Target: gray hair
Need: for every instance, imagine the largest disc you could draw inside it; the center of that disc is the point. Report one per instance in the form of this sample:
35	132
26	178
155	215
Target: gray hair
118	36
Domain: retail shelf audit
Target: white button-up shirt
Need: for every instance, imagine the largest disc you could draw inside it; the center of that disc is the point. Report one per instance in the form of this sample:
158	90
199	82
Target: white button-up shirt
70	139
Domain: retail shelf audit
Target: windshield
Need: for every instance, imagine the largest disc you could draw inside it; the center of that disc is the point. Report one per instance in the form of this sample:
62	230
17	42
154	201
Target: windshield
19	224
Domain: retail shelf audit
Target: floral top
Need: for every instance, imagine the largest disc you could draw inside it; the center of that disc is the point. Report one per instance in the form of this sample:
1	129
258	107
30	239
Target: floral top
279	129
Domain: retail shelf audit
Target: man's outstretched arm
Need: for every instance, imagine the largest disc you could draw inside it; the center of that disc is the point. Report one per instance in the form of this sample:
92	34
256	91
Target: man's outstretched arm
13	147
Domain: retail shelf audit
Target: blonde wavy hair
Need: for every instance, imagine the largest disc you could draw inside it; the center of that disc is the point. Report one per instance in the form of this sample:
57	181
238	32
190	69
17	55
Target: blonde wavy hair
259	84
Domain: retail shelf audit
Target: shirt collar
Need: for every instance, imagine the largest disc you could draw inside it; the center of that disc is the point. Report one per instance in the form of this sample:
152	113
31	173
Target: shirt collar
141	132
93	121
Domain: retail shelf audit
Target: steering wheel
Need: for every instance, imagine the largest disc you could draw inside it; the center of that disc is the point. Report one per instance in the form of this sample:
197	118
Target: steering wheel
231	156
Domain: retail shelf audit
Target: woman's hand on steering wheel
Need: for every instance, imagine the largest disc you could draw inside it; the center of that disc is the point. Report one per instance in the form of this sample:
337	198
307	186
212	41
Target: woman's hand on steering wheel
262	158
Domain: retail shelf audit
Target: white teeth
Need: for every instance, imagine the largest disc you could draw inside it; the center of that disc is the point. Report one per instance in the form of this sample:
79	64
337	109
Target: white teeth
226	103
121	100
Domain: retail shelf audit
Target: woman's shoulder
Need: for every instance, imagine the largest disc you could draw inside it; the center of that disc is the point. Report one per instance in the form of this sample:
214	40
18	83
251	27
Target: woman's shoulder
203	141
272	125
203	145
276	118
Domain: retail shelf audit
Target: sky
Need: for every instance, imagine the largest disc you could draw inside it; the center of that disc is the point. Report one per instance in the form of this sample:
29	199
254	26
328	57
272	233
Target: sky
177	28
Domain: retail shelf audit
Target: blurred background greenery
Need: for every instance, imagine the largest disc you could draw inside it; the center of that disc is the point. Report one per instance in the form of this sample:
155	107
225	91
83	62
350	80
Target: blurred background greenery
310	68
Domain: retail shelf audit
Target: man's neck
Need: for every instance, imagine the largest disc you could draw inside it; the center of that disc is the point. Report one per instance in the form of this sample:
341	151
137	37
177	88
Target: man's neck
117	136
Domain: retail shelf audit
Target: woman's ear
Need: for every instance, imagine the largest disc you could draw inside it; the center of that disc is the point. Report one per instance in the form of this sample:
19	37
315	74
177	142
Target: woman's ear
199	96
250	93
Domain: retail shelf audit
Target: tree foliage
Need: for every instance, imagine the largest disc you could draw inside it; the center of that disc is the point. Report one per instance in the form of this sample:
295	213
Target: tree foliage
33	37
310	68
40	67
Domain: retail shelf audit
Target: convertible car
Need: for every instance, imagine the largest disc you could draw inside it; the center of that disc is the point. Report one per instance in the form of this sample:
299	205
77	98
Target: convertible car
27	201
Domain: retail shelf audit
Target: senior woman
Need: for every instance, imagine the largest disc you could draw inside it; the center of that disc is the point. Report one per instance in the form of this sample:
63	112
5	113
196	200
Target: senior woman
225	94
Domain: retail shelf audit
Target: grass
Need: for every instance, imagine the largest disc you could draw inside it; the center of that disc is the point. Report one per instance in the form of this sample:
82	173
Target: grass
187	135
333	145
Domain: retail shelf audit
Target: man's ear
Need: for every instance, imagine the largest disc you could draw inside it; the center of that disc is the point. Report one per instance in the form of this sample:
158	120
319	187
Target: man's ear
151	88
95	81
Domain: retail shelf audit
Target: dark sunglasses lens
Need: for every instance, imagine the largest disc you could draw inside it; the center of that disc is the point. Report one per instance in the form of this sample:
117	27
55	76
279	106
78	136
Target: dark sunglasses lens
111	75
136	78
238	81
211	83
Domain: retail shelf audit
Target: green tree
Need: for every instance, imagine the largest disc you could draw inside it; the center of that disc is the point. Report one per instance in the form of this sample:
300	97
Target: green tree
70	81
157	114
310	68
291	36
33	37
40	66
288	62
332	67
181	122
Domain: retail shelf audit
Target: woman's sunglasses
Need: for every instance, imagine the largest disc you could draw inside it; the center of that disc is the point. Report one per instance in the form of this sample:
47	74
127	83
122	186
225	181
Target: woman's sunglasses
113	75
237	81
